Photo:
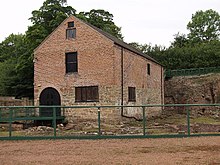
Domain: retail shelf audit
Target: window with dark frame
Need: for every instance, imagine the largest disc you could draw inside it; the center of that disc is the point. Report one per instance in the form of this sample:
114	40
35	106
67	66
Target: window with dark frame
86	94
71	62
131	94
148	69
70	33
70	24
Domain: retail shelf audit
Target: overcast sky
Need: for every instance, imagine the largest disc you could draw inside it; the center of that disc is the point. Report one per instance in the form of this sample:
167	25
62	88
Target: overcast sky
143	21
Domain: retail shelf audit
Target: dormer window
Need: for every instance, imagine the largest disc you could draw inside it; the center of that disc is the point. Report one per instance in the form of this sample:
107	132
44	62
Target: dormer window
70	31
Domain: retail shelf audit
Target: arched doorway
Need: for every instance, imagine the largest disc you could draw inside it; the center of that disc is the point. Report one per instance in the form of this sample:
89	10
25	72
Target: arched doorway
50	96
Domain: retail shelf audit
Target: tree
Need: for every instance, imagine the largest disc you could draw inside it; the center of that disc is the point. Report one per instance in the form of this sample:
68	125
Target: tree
101	19
15	71
145	48
46	19
180	40
204	26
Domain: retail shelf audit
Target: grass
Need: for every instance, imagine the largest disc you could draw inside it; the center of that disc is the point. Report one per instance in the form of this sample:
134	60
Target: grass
181	119
205	120
14	133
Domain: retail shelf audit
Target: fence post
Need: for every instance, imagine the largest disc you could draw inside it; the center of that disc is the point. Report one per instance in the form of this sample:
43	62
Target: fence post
54	121
188	121
99	122
144	121
10	122
63	111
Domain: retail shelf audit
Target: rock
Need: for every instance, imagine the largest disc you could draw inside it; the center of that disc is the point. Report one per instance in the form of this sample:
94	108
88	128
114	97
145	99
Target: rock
49	129
156	124
39	128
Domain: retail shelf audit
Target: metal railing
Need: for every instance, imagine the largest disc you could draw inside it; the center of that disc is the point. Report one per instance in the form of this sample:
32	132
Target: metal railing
177	120
191	72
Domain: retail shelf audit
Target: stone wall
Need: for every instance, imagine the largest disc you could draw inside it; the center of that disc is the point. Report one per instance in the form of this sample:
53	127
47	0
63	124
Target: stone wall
11	101
203	89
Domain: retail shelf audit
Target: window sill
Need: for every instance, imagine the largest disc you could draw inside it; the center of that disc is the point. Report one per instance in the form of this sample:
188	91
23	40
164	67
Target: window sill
70	38
71	73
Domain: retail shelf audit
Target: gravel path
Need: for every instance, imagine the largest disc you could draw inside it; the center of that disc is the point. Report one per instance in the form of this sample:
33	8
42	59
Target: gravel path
202	150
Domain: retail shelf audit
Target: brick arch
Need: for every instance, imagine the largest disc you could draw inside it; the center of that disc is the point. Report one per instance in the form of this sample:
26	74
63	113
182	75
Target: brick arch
49	97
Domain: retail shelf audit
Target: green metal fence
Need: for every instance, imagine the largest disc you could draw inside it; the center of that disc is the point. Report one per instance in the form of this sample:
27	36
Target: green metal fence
179	120
191	72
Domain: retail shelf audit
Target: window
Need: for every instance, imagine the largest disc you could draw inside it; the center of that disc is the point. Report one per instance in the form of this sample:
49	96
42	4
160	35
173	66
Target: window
70	24
86	94
70	33
71	62
131	94
148	69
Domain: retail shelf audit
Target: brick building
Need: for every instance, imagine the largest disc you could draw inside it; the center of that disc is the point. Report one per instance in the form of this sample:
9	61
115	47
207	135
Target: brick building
79	64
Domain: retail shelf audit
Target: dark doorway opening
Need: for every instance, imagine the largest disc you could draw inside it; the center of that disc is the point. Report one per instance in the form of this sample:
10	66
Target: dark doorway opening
49	97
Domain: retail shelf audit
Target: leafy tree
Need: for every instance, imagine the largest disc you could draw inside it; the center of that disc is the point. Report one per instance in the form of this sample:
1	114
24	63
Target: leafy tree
103	20
145	48
46	19
180	40
200	48
14	79
204	26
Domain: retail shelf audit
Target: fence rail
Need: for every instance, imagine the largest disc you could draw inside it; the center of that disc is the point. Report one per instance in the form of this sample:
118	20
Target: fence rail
171	123
191	72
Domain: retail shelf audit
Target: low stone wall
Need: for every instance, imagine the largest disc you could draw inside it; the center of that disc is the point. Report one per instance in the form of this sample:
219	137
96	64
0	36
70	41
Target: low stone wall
11	101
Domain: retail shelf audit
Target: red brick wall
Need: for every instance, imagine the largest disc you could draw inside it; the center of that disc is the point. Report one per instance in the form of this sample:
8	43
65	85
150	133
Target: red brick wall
99	63
95	65
149	88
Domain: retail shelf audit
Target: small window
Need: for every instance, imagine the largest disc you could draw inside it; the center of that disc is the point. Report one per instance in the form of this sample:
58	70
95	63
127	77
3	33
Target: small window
71	62
87	94
70	33
70	24
148	69
131	94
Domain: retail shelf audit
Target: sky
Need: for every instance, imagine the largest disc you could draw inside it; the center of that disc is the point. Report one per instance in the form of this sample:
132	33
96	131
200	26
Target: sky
143	21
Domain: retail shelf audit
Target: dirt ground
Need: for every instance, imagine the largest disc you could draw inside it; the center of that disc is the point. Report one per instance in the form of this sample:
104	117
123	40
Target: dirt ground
200	150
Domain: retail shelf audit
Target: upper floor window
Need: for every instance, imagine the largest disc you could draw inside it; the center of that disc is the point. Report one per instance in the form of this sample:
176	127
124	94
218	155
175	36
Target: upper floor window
131	94
71	62
86	94
70	24
71	31
148	69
